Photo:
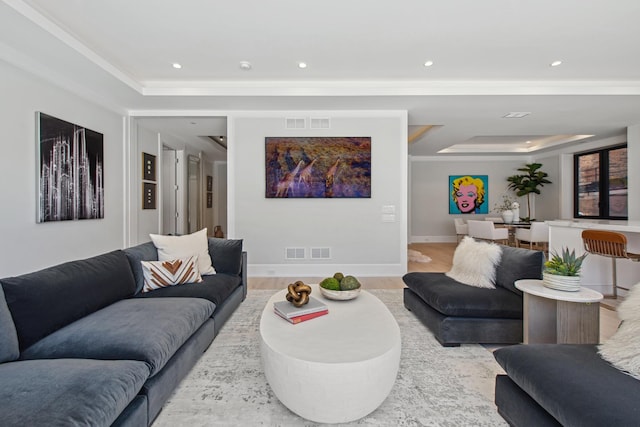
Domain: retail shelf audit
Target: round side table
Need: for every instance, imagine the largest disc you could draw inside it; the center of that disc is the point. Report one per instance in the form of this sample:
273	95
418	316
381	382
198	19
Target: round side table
552	316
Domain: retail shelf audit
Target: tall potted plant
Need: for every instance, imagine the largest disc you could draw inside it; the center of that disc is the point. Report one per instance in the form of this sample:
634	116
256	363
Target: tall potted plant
528	183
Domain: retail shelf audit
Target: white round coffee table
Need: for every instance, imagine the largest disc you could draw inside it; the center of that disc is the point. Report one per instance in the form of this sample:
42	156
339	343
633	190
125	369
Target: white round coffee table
335	368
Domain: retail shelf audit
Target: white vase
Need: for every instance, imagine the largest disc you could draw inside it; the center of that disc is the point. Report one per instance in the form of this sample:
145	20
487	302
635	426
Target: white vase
516	214
507	216
561	283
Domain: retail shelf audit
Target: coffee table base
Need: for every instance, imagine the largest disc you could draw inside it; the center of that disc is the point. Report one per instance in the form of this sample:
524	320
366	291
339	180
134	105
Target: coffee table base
331	392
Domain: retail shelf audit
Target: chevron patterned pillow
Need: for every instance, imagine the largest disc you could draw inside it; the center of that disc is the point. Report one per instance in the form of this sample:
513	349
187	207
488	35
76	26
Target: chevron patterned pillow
160	274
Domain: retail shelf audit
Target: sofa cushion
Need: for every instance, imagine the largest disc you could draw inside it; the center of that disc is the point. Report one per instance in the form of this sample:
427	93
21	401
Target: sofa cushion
452	298
215	288
174	247
9	349
474	263
516	264
47	300
573	384
135	254
67	392
226	255
161	274
149	330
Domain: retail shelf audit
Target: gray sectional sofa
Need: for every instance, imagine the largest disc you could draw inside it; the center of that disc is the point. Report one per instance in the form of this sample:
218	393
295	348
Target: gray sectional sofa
81	345
564	385
460	314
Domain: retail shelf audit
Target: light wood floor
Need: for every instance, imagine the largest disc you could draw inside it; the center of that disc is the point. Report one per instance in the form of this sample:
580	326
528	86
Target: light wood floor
441	255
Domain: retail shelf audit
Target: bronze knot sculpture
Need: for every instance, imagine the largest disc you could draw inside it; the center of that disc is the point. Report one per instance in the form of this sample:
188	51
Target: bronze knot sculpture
298	293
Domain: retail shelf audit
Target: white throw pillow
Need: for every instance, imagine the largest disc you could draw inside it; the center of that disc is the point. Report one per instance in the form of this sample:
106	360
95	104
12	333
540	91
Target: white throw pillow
622	350
630	307
160	274
474	263
177	247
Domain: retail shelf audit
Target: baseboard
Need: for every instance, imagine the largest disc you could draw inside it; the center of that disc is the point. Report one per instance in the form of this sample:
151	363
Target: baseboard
322	270
433	239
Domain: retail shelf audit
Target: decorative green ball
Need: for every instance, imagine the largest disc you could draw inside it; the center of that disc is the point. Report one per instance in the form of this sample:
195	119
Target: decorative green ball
349	283
330	283
338	276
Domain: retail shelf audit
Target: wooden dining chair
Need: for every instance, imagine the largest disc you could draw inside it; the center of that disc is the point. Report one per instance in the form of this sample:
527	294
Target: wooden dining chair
609	244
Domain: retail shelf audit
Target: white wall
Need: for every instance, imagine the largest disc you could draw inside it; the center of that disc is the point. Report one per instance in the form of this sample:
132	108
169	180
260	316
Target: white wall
546	205
207	217
361	243
220	195
633	168
430	218
27	245
148	220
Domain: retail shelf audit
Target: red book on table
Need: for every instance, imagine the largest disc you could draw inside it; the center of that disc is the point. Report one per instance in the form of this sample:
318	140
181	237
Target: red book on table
302	318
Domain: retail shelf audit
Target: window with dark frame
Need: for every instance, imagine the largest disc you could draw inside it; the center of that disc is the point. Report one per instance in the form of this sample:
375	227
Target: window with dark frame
600	184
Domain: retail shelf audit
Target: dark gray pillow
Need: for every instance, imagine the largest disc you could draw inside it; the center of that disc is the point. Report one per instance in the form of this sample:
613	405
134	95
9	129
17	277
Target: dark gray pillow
135	254
49	299
516	264
8	338
226	255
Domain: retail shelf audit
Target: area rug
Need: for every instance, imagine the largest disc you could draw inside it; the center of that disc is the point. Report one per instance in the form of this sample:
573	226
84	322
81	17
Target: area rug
417	256
436	386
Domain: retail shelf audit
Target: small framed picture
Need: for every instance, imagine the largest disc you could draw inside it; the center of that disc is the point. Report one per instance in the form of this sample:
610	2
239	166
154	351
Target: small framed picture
148	195
209	183
148	167
209	200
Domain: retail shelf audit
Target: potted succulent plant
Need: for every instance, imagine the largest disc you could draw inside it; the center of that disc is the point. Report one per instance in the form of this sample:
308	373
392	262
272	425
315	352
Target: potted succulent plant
562	271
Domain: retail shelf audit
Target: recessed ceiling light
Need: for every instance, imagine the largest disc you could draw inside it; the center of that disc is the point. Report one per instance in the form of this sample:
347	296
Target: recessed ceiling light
245	65
516	115
527	142
176	65
555	63
428	63
302	65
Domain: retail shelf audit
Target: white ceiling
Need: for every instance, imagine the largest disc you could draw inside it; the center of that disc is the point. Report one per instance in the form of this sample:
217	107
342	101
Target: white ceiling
490	58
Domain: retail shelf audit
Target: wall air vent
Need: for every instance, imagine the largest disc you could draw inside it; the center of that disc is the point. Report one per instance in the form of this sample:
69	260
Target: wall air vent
295	123
319	123
294	253
320	253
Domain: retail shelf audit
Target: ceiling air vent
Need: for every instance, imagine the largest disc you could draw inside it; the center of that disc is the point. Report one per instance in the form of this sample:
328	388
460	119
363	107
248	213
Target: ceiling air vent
295	123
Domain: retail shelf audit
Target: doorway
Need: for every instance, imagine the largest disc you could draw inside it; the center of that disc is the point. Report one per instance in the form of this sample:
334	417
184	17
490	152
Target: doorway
170	213
194	195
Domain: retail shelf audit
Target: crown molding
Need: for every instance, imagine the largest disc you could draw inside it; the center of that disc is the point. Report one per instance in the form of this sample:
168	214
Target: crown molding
386	88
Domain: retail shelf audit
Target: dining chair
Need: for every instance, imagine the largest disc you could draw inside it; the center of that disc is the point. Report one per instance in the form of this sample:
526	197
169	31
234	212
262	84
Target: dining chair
609	244
538	233
485	230
462	229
